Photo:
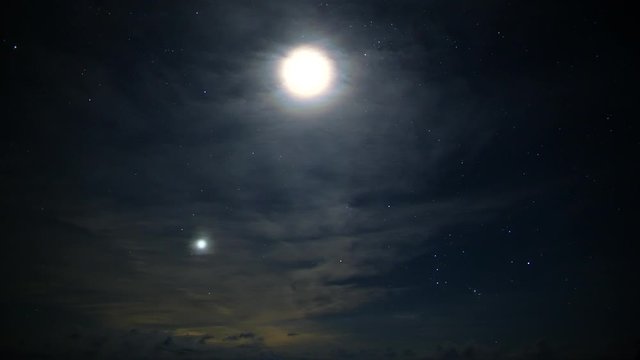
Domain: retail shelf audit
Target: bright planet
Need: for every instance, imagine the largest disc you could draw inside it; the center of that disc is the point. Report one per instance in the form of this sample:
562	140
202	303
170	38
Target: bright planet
201	244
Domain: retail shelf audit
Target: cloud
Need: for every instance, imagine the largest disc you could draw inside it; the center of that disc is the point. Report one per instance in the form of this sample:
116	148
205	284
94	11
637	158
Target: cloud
298	207
244	335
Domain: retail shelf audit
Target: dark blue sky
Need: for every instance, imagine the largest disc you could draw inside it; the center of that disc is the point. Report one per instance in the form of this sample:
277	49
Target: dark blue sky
466	189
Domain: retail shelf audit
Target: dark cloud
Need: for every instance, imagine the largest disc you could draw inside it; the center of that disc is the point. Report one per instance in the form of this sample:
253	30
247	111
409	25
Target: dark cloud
204	339
245	335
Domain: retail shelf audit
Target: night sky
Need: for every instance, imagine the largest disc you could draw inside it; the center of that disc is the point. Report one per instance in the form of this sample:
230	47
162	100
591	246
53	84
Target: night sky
464	188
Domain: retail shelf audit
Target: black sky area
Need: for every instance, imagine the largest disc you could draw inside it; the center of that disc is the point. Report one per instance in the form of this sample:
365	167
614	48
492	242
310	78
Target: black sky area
466	188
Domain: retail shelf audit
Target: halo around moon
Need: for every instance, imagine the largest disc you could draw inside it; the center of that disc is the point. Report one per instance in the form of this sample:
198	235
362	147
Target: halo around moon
306	72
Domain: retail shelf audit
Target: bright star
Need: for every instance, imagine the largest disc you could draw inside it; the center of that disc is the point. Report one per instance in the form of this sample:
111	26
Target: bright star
201	244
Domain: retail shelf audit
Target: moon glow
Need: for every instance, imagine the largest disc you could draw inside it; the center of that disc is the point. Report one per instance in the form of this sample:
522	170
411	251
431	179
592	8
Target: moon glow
306	72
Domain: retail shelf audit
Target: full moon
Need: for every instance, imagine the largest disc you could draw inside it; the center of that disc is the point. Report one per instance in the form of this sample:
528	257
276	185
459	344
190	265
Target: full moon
201	244
306	72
